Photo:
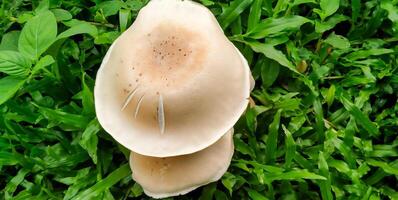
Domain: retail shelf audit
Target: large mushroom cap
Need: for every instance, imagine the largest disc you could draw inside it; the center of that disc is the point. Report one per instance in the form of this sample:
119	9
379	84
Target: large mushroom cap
172	84
171	176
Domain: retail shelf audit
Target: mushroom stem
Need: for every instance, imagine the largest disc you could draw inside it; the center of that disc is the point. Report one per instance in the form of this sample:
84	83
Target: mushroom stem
161	120
137	108
129	98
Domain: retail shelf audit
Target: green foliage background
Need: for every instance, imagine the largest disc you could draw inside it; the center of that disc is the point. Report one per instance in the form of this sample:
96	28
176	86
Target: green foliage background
324	125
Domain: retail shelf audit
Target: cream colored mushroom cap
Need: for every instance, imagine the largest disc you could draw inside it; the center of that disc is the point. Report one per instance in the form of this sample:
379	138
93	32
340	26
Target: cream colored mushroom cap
172	84
172	176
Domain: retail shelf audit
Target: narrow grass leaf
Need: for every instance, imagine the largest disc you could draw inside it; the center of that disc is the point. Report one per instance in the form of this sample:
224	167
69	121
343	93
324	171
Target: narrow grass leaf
272	139
87	98
233	11
295	174
355	8
290	147
255	14
383	165
254	195
276	26
361	54
57	116
104	184
325	185
360	118
14	182
319	119
124	16
89	140
270	52
79	28
269	72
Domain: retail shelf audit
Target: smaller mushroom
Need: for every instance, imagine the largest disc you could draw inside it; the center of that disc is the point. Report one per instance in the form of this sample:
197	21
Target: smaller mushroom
178	175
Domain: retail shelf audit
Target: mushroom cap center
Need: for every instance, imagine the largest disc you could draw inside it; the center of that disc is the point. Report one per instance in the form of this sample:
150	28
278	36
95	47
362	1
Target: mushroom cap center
168	56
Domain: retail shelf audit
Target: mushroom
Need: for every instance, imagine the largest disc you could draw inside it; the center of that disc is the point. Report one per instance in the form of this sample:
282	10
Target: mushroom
172	84
172	176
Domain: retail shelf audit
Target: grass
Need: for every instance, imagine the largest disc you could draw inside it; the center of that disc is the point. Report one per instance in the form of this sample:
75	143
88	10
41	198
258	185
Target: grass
324	125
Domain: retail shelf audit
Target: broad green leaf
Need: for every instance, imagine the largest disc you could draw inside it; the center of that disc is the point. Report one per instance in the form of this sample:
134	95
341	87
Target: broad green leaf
107	38
61	14
233	11
338	41
110	8
271	26
14	63
37	35
9	41
42	63
43	6
329	7
9	86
